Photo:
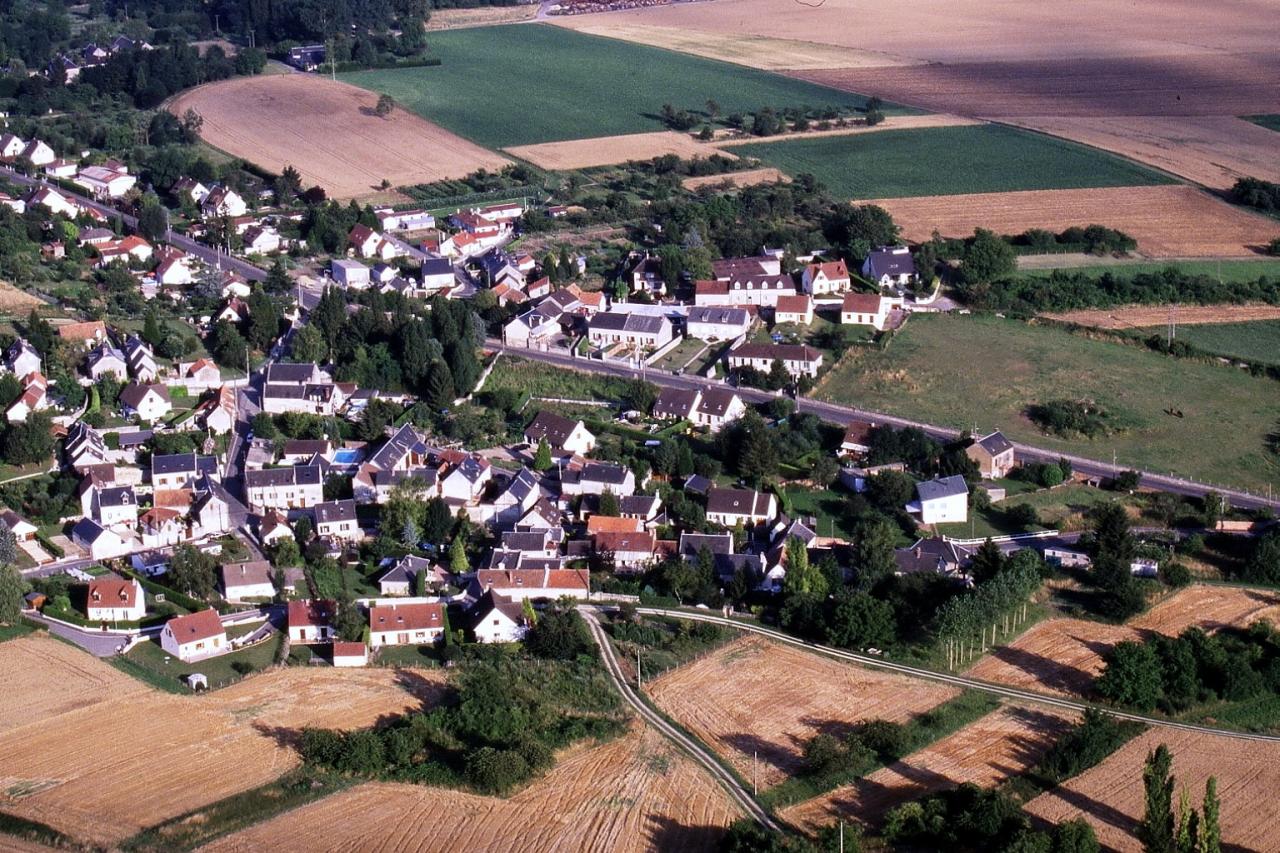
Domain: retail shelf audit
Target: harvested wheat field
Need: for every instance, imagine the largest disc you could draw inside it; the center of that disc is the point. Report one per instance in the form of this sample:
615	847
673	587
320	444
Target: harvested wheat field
329	133
608	150
634	793
746	178
893	122
1145	316
1064	656
93	772
44	678
1004	743
1110	795
484	16
1167	221
754	696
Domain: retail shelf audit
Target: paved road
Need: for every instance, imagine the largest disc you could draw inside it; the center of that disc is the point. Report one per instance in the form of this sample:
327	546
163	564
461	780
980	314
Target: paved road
845	415
96	643
205	253
683	741
953	680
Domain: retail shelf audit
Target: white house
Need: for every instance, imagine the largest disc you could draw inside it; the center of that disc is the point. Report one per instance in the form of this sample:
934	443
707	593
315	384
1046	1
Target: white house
114	505
222	201
102	182
241	581
562	434
711	408
115	599
404	220
261	239
497	619
149	402
794	309
711	323
55	201
337	520
34	398
406	624
890	266
596	478
298	487
22	359
105	359
640	330
401	578
942	500
467	481
100	542
311	621
867	309
821	279
195	636
350	654
760	290
38	153
993	454
350	274
161	526
798	359
730	507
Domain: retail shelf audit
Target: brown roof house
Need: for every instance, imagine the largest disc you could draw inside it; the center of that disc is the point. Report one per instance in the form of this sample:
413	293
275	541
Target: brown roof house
195	636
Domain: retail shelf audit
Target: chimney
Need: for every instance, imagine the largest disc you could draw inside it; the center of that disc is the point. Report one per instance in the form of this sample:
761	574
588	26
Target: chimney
546	576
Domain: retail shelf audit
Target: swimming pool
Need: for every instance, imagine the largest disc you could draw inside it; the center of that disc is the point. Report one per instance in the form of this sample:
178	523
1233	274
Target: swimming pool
346	457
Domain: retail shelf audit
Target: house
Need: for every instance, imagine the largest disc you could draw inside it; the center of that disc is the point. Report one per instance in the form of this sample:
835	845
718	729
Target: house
102	182
857	439
105	359
718	407
890	266
34	398
498	267
711	323
731	507
405	220
821	279
84	446
210	513
797	359
646	277
11	146
272	528
22	359
141	361
467	481
406	624
181	470
99	542
543	515
349	654
725	269
311	620
114	505
234	285
367	243
298	451
23	530
161	526
85	334
174	271
37	153
218	414
759	290
402	578
56	202
518	497
562	434
503	213
194	637
337	520
794	309
261	239
941	500
498	619
638	329
994	455
200	375
934	555
1144	567
60	168
149	402
596	478
676	403
437	274
866	309
115	599
299	487
544	583
223	202
299	388
189	189
1067	558
306	57
629	551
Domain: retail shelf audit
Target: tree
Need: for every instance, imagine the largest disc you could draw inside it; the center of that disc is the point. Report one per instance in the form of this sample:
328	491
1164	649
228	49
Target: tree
12	588
609	504
860	228
8	546
28	441
193	572
438	391
542	459
987	561
308	344
873	548
1209	839
227	346
1156	829
288	185
153	219
859	621
1132	676
559	634
437	521
263	325
1263	564
987	258
458	562
1074	836
1213	506
385	105
802	577
349	622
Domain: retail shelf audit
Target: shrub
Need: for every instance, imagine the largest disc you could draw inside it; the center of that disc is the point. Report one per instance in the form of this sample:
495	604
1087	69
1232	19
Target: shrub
495	771
1070	419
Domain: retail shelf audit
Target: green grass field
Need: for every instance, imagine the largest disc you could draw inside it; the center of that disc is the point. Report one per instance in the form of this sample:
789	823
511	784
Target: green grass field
1229	271
1258	340
949	161
518	85
967	371
1270	122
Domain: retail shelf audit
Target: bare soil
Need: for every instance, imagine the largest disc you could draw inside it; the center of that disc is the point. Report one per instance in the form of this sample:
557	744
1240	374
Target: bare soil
1142	316
757	703
328	131
1167	221
631	794
608	150
1110	795
15	301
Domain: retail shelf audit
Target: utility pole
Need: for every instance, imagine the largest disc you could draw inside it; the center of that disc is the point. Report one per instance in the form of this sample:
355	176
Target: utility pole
755	787
638	679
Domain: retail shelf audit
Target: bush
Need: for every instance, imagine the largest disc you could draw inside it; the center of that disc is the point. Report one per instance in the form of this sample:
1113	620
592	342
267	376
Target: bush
1070	419
495	771
1022	515
1175	574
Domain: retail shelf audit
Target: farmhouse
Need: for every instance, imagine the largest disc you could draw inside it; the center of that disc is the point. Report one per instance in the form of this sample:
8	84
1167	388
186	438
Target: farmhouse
890	266
730	507
797	359
241	581
194	637
311	621
498	619
562	434
115	599
406	624
794	309
717	324
821	279
637	329
994	455
942	500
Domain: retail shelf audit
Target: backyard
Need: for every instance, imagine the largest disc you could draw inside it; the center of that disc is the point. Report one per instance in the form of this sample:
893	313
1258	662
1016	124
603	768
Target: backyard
152	664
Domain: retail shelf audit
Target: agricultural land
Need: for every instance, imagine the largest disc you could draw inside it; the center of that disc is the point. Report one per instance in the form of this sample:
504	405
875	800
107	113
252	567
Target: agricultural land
1153	317
963	371
604	151
1257	341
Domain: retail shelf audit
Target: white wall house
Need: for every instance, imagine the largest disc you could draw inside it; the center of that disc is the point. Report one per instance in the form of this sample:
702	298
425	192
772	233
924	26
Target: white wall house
867	309
941	501
194	637
798	359
114	599
406	624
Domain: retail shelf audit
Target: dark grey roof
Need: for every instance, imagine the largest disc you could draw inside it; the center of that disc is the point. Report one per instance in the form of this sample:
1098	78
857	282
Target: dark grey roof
995	443
331	511
604	472
716	543
290	374
716	402
87	530
406	440
136	438
301	475
532	540
554	428
931	555
943	487
639	323
884	261
640	506
737	501
117	496
718	315
177	463
675	402
406	570
697	484
437	266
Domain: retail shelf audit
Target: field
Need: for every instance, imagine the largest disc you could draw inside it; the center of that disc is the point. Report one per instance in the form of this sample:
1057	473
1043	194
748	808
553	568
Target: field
730	139
1065	655
1004	743
1258	341
17	302
1167	221
1193	317
1271	122
948	161
634	793
964	370
745	178
103	747
45	678
484	16
328	132
756	698
520	85
605	151
1110	795
1237	270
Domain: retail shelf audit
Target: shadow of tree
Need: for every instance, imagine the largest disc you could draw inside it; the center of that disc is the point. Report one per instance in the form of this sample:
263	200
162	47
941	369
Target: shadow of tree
665	833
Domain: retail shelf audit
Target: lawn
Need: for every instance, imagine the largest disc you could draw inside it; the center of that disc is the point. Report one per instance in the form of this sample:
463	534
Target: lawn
1227	271
681	355
1270	122
1257	340
150	663
966	371
1062	507
949	161
519	85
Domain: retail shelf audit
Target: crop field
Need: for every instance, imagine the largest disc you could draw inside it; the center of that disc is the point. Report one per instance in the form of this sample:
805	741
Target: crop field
45	678
745	178
92	772
483	16
960	371
1258	341
632	794
606	151
1167	221
1064	656
948	161
755	698
1043	266
329	133
1157	316
520	85
17	302
1110	795
1002	744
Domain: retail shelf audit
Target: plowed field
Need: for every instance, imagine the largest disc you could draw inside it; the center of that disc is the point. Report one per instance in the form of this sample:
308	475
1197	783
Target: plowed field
95	772
1110	796
1002	744
635	793
1167	221
753	697
329	133
607	150
1064	656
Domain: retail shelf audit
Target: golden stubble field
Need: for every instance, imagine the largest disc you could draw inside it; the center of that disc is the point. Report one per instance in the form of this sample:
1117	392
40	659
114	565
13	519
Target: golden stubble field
757	703
328	132
1064	656
98	756
634	793
607	150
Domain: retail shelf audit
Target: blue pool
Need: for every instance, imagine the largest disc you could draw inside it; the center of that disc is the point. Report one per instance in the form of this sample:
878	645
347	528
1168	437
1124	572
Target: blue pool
346	457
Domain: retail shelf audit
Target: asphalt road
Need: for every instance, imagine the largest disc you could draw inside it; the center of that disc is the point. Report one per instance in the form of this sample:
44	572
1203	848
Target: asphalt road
844	415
